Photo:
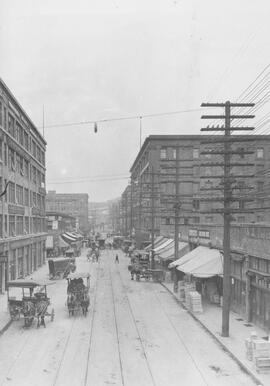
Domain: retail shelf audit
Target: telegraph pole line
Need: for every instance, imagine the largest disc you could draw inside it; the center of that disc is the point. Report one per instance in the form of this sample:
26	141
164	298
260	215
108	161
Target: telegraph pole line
152	216
227	153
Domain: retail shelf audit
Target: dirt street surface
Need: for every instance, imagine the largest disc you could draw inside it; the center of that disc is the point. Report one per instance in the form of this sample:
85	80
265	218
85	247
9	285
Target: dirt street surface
134	334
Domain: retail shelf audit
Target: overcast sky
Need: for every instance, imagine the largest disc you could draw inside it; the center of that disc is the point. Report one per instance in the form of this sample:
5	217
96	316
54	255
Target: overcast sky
96	59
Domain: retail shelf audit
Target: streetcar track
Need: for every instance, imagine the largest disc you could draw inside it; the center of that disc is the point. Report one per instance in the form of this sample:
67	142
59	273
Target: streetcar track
66	344
116	326
92	324
17	356
137	330
180	338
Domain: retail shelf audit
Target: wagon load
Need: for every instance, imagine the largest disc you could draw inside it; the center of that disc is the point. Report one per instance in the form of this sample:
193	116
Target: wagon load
61	267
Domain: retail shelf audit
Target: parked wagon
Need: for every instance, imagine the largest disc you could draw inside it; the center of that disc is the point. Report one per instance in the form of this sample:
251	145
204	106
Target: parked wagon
28	299
61	267
78	299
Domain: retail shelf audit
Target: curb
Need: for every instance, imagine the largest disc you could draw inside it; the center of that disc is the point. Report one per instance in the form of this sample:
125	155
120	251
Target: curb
4	329
224	347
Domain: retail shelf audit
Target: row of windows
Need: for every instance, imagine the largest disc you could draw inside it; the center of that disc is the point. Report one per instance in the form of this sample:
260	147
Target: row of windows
21	225
20	135
17	194
16	162
170	153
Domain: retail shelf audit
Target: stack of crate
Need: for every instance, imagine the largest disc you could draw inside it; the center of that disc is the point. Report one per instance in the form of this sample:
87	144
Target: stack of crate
195	302
188	288
261	355
249	345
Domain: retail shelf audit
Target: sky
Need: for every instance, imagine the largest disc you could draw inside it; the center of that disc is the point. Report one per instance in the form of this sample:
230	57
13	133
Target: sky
89	60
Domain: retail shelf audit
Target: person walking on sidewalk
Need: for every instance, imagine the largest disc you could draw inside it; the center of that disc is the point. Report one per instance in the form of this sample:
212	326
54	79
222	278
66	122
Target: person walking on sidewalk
116	259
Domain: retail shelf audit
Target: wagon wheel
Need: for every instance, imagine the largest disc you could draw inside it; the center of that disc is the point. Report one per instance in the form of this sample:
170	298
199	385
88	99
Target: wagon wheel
52	315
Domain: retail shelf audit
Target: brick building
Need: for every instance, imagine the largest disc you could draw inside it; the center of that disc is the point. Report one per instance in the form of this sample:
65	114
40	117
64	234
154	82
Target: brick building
153	182
22	166
73	204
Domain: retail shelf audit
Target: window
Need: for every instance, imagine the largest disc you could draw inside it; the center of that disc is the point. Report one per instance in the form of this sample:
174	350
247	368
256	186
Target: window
208	171
6	226
242	152
34	198
167	221
1	114
12	159
12	232
5	118
260	152
5	154
20	263
208	219
34	147
26	225
241	219
19	195
19	225
11	192
260	186
34	174
26	168
18	162
195	153
241	204
196	204
11	125
26	140
26	197
196	220
1	150
163	153
208	155
260	218
173	153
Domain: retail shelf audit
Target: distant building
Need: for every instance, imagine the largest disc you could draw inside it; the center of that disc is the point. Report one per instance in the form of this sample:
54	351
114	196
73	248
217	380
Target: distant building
73	204
22	219
57	224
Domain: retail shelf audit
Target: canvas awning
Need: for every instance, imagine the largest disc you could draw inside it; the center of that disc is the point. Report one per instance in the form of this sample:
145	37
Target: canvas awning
164	245
158	240
69	234
62	243
168	253
201	262
68	238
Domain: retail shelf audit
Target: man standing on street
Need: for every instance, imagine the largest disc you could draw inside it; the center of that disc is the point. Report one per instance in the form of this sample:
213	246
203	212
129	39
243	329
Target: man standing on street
116	259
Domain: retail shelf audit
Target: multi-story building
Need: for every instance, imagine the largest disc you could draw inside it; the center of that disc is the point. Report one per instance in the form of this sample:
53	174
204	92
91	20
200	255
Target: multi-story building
57	224
172	169
22	171
74	204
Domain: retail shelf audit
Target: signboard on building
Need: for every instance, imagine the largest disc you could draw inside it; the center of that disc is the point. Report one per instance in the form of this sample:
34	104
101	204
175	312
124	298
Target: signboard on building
55	225
204	234
193	232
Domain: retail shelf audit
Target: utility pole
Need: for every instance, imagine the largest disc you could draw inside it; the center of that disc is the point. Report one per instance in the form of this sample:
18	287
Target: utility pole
131	208
228	180
152	215
177	206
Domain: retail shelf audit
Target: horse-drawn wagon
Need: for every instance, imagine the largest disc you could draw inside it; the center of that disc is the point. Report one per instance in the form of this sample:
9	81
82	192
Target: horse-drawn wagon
61	267
78	298
28	299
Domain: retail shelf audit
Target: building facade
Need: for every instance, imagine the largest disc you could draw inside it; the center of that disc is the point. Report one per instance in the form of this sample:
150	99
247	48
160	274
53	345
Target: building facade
185	170
22	172
57	224
73	204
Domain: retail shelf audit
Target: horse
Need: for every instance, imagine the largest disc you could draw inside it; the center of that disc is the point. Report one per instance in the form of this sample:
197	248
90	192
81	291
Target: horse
85	301
71	303
28	312
41	309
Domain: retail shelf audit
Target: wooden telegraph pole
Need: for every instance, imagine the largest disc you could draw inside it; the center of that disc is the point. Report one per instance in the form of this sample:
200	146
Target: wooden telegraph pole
228	180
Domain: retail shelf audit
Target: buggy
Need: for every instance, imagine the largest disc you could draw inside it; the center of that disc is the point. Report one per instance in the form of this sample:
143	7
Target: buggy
60	267
28	299
78	293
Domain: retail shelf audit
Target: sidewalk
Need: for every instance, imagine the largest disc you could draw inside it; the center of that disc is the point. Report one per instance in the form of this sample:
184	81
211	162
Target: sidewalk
210	319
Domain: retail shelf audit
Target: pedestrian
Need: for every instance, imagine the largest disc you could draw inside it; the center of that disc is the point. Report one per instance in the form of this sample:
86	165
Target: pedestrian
117	259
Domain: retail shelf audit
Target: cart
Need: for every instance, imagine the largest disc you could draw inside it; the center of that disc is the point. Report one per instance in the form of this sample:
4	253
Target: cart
78	299
28	300
60	267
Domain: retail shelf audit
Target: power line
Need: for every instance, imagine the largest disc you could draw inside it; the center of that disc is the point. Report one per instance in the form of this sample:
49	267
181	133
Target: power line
139	116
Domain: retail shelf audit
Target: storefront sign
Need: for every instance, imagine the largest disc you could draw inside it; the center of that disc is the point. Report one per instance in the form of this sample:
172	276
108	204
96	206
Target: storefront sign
204	234
193	232
16	209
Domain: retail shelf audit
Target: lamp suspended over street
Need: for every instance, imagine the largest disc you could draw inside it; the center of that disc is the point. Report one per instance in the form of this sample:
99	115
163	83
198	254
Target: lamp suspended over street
95	127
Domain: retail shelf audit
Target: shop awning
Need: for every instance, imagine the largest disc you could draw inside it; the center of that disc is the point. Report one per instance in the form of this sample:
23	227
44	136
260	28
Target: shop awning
201	262
158	240
62	243
164	245
67	238
71	235
168	253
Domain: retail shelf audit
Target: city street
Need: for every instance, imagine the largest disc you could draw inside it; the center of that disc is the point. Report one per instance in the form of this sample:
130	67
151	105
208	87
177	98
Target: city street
134	334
